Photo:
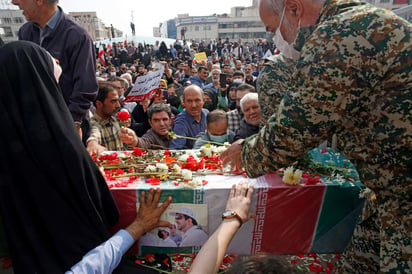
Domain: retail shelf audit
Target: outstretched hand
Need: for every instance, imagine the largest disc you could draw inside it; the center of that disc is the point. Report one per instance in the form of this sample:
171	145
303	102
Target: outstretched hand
233	155
128	136
148	216
240	198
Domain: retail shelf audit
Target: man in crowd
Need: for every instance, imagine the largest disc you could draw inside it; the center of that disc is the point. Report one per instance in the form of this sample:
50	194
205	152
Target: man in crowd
226	68
361	94
216	129
249	78
187	222
105	126
238	77
236	115
71	45
118	84
192	120
200	78
251	110
215	78
157	136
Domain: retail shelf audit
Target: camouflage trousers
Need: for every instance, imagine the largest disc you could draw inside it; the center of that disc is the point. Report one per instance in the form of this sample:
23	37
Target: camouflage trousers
381	243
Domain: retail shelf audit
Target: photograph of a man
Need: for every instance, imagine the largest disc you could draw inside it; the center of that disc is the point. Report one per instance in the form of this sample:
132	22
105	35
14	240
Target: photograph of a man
187	222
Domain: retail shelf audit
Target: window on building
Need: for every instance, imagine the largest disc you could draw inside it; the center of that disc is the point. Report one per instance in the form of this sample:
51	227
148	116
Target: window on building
6	20
196	28
385	1
6	31
18	20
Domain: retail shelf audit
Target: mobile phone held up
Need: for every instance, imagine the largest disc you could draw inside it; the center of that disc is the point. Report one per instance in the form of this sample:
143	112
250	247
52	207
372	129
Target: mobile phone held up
223	80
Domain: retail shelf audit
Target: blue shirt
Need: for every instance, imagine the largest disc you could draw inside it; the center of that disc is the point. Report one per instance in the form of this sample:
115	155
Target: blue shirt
211	86
50	25
106	257
186	125
197	81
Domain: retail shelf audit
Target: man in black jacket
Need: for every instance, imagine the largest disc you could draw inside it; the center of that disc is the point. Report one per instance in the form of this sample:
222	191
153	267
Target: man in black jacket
71	45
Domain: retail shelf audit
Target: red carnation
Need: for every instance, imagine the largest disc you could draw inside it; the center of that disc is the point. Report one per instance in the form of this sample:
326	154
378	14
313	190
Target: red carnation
123	115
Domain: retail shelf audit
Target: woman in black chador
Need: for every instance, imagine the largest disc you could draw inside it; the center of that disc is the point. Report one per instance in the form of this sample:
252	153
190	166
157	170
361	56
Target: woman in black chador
55	203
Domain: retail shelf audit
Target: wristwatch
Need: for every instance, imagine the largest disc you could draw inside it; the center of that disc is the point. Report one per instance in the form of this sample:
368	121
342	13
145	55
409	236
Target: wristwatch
229	214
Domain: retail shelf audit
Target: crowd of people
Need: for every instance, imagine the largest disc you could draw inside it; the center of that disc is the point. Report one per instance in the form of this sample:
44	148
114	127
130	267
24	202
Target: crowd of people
188	94
333	76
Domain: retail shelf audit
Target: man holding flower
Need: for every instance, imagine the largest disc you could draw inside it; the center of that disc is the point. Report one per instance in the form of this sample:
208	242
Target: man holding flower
105	126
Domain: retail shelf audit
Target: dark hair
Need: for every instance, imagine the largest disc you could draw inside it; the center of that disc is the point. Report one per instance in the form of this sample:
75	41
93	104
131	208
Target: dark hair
156	108
115	78
239	73
199	69
194	222
104	89
243	87
216	116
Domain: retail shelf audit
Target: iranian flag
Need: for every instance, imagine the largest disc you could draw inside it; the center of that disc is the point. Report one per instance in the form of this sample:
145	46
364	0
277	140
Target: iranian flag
101	55
109	48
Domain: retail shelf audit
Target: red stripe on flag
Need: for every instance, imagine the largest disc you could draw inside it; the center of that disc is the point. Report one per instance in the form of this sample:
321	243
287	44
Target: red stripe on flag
126	201
291	216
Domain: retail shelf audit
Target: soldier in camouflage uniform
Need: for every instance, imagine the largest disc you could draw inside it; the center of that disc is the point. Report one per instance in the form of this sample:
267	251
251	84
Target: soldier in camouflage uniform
353	77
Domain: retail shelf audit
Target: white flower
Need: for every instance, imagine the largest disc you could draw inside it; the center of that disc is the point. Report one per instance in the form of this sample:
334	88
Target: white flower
220	149
150	169
162	168
292	177
176	168
226	144
206	151
183	157
187	174
197	182
187	154
337	178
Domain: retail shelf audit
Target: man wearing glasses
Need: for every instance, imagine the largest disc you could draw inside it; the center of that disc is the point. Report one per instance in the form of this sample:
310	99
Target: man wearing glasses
187	222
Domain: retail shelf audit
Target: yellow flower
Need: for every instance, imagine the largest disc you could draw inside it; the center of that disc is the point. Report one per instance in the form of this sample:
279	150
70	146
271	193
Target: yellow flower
172	135
291	177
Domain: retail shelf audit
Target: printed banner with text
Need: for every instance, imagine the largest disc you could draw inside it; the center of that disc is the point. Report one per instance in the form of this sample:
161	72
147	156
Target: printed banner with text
145	86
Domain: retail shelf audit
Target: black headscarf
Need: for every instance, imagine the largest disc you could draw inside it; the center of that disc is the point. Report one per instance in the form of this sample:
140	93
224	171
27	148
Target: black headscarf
55	203
213	104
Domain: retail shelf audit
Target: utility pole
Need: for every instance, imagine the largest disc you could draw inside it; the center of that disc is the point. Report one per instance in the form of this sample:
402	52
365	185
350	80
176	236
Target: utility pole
132	26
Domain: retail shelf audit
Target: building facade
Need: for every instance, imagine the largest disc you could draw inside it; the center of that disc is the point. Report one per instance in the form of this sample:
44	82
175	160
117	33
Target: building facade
10	22
405	13
389	4
196	27
243	23
95	26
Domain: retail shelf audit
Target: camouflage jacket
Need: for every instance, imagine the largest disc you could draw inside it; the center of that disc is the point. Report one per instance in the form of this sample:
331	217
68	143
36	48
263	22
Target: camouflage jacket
354	78
272	84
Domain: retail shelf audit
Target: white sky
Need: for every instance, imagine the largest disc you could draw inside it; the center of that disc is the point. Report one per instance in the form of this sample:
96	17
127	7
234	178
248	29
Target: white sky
148	13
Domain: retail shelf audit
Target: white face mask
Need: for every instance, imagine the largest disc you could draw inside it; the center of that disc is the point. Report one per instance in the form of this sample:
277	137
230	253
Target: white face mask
285	48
